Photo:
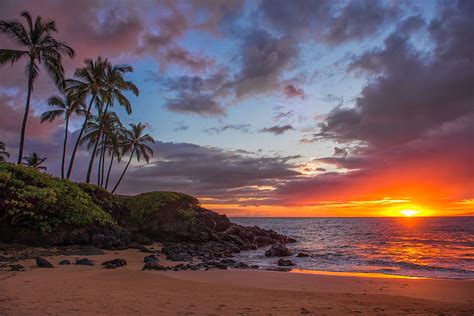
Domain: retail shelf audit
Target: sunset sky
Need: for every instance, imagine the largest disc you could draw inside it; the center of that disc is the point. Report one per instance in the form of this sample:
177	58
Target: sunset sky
276	107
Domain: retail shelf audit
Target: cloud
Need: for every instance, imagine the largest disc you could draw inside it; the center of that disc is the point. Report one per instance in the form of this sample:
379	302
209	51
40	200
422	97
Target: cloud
195	104
292	92
181	127
332	22
245	128
264	59
277	129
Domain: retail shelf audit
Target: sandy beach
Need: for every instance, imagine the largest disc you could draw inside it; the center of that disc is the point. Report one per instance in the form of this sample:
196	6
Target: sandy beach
85	290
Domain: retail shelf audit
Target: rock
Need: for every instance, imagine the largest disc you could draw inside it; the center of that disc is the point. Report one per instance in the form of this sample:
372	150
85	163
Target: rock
302	255
280	269
278	250
4	259
142	240
43	263
115	263
261	241
16	267
64	262
285	263
151	259
145	249
154	266
84	262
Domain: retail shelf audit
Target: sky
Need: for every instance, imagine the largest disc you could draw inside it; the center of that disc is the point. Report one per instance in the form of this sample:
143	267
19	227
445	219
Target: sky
275	107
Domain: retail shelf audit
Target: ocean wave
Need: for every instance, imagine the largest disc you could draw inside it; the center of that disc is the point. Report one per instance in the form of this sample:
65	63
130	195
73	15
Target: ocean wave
414	266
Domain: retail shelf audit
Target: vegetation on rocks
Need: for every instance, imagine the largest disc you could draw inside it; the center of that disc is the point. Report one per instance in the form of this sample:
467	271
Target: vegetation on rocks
34	200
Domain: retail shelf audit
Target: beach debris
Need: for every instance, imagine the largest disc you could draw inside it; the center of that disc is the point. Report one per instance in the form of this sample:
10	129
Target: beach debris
285	263
84	262
115	263
17	267
64	262
151	258
278	250
302	255
43	263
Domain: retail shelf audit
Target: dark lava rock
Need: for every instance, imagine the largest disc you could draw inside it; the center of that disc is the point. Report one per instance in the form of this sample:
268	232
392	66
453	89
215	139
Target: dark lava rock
145	249
278	250
154	266
280	269
142	240
115	263
43	263
16	267
285	263
4	259
64	262
84	262
261	241
302	255
151	259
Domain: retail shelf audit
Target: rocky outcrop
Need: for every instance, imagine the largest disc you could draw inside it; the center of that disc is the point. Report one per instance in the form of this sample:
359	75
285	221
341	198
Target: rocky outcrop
285	263
278	250
84	262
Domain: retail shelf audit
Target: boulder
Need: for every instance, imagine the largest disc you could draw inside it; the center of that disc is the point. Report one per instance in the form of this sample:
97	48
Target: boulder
84	262
154	266
150	259
261	241
16	267
285	263
43	263
278	250
302	255
115	263
64	262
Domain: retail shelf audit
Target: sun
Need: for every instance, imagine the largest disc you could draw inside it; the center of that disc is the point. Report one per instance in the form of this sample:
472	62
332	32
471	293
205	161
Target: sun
408	212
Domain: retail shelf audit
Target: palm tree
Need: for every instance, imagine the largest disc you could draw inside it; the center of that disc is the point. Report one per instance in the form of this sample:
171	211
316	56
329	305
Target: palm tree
136	143
102	124
4	155
90	83
38	46
115	143
65	106
35	160
114	86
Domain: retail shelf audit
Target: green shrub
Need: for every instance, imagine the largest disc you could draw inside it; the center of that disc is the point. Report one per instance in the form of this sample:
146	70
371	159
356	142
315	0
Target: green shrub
146	206
29	198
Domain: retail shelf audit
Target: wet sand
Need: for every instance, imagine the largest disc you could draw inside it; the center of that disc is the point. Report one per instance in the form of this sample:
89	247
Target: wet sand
85	290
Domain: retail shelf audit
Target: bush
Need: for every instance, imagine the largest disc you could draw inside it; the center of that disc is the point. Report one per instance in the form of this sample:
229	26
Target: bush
34	200
147	206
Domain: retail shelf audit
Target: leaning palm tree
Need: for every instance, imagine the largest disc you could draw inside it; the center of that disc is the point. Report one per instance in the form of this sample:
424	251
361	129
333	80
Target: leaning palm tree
90	83
38	46
35	160
115	143
136	143
114	86
98	128
66	106
4	155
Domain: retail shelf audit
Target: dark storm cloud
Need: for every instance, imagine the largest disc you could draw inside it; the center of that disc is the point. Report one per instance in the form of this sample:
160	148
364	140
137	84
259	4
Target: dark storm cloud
245	128
277	129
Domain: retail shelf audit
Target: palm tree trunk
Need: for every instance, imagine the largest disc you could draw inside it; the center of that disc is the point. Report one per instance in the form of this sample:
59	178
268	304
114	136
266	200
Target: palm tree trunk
98	167
123	173
25	116
64	148
103	162
73	155
110	168
91	161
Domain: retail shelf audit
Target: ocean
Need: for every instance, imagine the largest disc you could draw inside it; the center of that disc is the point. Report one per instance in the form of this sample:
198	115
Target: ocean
435	247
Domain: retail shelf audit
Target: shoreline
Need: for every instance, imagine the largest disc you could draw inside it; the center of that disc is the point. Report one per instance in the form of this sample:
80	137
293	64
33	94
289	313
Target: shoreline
84	290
